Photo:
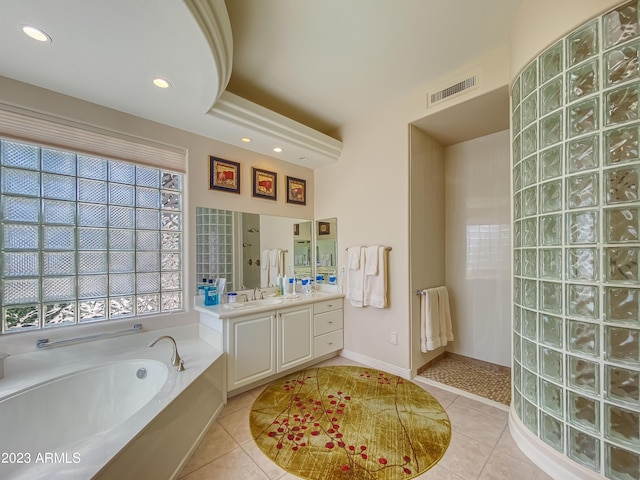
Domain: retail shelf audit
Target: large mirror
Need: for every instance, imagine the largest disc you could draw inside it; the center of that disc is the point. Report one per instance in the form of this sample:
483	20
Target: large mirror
326	251
250	250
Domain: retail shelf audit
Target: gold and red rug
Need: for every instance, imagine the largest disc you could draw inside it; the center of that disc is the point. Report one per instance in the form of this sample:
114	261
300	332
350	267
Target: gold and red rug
350	423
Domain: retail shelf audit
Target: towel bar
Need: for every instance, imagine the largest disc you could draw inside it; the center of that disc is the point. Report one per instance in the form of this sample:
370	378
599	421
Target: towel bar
421	292
387	249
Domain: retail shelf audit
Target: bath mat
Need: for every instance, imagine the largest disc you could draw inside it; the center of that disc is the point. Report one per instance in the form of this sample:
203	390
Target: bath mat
349	423
480	381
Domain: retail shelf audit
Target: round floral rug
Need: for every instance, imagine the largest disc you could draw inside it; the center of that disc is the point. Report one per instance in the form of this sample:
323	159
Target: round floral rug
349	423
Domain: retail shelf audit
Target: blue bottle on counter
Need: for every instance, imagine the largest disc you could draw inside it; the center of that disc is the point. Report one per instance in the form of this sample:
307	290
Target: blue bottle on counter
202	287
211	294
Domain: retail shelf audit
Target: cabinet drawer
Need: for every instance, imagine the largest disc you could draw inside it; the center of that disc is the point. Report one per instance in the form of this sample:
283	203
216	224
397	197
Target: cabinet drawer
327	322
327	343
327	305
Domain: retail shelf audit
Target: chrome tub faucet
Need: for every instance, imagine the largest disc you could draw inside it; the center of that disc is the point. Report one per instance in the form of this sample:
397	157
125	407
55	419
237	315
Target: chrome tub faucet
176	361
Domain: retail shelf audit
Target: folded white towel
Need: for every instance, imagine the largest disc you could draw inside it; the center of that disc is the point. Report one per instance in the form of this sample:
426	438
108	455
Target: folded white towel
353	257
355	276
446	330
429	320
264	259
375	286
371	260
273	257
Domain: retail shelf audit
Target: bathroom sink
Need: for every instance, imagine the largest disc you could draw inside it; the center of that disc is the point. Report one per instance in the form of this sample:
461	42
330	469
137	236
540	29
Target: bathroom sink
264	301
234	306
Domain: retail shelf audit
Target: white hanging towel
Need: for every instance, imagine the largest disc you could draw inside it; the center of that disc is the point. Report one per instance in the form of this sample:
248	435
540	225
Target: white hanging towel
264	268
435	319
375	279
429	320
274	258
446	330
355	275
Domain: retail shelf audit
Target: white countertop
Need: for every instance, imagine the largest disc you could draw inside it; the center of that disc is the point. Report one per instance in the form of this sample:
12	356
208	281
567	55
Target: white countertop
238	309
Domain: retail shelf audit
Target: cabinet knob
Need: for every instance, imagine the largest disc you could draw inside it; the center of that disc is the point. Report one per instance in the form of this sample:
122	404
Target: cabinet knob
330	305
330	343
330	323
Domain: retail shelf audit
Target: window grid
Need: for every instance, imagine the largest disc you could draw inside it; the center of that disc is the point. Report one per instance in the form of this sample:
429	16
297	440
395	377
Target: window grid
85	239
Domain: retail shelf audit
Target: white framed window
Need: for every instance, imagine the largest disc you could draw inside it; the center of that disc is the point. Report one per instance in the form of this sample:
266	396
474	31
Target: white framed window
85	238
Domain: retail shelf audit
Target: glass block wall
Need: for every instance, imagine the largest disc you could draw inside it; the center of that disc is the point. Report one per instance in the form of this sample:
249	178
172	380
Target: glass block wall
214	244
576	340
85	239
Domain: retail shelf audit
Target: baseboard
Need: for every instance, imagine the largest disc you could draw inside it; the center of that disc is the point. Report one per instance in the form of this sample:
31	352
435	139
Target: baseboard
374	363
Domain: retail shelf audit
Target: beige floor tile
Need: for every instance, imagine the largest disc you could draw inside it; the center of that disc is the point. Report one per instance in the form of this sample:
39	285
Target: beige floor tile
481	407
465	457
237	425
236	465
238	402
445	397
216	442
507	446
438	472
501	467
272	470
476	425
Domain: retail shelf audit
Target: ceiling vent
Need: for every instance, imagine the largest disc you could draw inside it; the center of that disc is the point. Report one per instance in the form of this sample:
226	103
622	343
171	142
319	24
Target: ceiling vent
469	83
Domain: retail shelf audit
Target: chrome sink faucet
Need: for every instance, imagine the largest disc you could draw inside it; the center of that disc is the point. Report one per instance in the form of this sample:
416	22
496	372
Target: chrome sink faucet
176	361
258	290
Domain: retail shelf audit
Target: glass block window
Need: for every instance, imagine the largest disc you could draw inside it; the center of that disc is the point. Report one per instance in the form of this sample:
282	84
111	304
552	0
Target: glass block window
576	136
214	244
85	239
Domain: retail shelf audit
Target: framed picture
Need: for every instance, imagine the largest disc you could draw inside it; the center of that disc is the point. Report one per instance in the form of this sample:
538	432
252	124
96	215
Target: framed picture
265	184
296	191
224	175
296	229
324	228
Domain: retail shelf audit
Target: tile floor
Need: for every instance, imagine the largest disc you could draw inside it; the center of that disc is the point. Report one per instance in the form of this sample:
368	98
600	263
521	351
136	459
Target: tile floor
481	446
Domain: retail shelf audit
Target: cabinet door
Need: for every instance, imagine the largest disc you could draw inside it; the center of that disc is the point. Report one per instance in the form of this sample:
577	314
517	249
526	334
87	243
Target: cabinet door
251	347
295	337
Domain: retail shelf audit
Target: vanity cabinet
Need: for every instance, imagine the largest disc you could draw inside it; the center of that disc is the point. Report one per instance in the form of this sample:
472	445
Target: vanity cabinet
250	346
328	324
295	336
272	340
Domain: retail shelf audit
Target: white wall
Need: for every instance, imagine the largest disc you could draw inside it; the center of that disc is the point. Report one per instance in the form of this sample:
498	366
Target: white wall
478	246
427	231
368	191
539	23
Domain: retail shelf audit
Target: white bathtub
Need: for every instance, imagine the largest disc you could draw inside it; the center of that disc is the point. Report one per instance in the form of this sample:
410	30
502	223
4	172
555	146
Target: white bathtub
90	418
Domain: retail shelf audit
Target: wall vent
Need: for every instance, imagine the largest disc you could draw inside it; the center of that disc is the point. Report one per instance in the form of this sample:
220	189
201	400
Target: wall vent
450	91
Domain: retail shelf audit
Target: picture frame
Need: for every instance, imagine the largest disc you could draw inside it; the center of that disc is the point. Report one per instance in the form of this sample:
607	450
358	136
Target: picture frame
324	228
224	175
296	191
296	229
265	184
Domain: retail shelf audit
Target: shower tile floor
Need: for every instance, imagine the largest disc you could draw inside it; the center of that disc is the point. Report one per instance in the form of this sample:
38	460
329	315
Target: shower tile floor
481	446
475	379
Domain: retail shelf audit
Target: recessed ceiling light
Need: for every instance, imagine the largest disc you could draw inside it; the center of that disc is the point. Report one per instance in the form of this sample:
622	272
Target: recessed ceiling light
36	33
161	83
277	149
246	140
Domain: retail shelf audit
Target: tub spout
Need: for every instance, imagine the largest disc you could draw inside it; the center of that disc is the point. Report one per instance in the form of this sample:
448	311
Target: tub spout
176	361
